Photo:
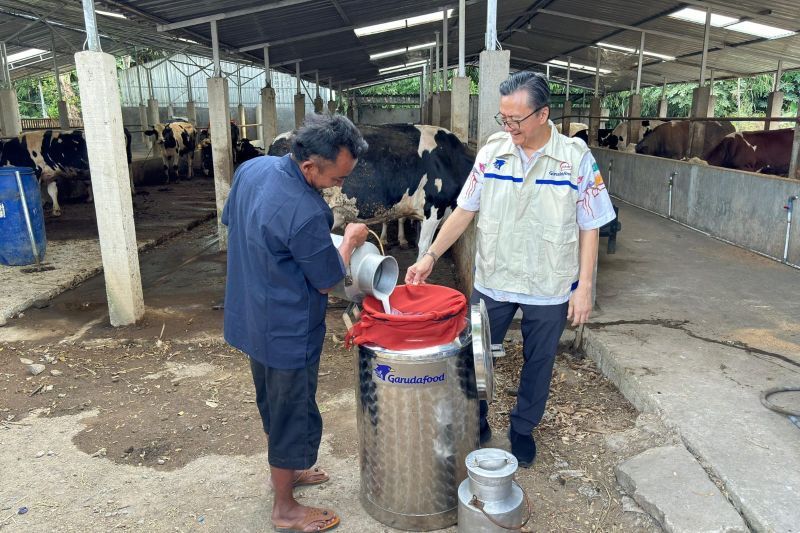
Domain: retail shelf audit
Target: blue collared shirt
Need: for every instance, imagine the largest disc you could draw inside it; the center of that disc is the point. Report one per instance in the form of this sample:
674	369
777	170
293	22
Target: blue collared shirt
280	255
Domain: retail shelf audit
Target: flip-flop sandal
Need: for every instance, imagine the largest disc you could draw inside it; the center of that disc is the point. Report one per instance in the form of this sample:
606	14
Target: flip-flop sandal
310	476
314	514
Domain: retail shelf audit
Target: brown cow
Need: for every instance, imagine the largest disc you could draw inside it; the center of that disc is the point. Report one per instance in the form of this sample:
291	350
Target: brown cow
673	139
755	151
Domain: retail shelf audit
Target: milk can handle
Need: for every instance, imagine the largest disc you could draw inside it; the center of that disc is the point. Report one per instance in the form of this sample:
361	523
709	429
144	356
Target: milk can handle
478	504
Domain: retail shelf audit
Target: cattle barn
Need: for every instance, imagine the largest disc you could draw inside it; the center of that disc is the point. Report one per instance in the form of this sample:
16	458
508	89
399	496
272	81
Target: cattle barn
143	112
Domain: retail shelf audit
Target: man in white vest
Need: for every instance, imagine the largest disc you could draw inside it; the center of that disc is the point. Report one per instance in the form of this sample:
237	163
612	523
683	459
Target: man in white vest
541	201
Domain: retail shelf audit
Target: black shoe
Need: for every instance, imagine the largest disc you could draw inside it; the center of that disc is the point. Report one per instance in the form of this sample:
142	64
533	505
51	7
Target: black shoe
523	447
486	435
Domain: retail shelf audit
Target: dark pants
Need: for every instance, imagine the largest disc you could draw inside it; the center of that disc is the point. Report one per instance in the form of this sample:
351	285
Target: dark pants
542	326
287	403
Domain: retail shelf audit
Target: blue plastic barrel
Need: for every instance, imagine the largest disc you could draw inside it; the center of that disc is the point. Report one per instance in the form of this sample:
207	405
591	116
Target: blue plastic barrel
15	242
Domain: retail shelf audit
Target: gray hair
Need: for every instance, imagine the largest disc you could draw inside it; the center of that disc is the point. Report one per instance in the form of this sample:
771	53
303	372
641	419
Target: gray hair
325	136
533	83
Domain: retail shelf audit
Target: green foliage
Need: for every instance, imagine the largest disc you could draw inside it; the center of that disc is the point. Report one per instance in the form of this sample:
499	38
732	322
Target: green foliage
28	94
734	98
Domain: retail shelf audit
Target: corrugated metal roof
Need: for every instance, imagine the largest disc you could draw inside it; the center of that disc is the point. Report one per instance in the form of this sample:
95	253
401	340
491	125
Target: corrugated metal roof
319	32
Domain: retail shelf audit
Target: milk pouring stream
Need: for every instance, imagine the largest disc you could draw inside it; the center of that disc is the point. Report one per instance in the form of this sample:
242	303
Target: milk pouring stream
370	273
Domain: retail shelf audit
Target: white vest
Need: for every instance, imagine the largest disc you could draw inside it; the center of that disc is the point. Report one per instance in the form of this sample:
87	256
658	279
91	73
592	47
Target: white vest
528	235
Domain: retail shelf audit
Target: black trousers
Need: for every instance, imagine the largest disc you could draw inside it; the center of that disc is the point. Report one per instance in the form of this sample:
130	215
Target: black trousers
287	403
542	326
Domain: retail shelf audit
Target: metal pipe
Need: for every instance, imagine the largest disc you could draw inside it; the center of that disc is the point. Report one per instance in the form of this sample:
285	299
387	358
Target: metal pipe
4	65
150	83
491	26
267	72
444	48
90	21
430	72
597	73
664	89
189	96
547	70
789	208
639	68
671	184
462	29
166	77
706	36
28	224
55	65
139	77
608	177
778	73
569	75
215	50
297	76
435	72
317	82
41	99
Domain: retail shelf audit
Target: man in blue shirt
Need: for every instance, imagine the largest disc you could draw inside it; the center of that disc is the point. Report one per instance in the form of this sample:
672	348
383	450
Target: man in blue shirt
281	265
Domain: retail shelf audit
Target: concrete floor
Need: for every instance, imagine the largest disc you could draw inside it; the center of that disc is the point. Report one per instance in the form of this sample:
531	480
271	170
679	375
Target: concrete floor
694	330
73	251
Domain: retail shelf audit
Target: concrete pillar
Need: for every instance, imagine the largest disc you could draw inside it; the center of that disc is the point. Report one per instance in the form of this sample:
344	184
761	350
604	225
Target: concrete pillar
445	105
662	108
701	102
318	104
494	68
299	109
63	115
634	126
774	106
170	111
565	120
97	80
794	158
10	122
332	107
459	108
191	112
242	117
269	116
221	152
436	109
350	110
594	123
144	123
153	116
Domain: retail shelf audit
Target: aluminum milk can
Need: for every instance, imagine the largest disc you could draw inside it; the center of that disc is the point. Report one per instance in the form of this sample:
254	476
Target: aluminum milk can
489	500
370	273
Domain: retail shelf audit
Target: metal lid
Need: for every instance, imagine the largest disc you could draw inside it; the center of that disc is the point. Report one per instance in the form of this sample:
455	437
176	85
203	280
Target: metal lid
482	351
489	465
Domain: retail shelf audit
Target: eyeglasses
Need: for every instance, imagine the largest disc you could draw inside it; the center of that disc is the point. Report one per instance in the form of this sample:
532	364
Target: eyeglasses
515	123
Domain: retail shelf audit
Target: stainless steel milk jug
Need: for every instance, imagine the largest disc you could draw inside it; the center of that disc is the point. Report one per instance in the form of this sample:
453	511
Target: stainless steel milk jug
370	273
489	500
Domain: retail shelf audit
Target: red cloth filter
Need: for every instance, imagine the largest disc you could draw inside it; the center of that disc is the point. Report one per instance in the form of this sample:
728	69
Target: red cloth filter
427	315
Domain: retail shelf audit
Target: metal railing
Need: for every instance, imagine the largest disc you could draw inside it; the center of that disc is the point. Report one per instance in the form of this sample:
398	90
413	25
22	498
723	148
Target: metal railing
48	123
691	119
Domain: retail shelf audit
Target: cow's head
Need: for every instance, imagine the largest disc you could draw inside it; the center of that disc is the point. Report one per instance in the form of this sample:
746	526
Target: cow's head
206	157
164	136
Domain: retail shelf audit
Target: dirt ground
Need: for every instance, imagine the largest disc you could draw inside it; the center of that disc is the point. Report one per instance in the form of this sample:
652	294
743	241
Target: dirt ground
153	427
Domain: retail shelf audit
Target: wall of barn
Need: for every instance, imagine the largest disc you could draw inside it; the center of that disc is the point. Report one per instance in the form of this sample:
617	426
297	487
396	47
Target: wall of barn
395	115
741	207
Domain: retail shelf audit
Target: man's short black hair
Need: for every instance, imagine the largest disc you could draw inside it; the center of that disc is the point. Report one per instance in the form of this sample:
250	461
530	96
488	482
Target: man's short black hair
533	83
325	136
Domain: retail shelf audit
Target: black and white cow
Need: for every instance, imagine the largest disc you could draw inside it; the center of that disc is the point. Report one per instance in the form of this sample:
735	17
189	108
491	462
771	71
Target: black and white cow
54	154
206	157
409	171
175	140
